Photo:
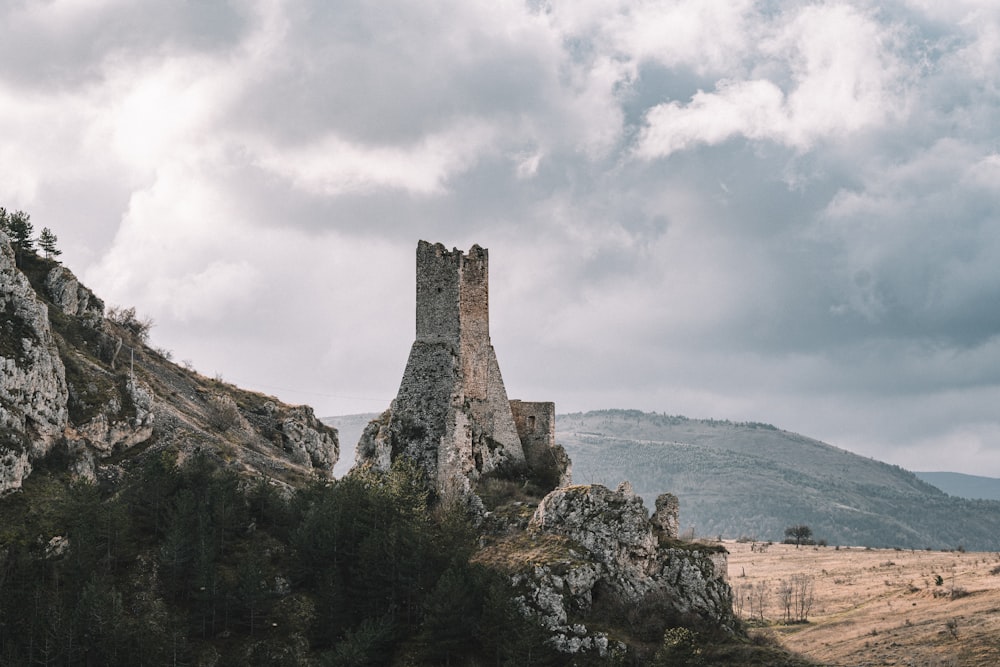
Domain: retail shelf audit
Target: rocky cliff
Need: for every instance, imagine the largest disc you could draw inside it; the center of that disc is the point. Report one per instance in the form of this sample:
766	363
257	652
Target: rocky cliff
33	391
589	554
76	378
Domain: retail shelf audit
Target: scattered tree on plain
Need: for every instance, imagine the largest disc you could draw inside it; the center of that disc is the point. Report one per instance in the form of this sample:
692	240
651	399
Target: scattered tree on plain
801	533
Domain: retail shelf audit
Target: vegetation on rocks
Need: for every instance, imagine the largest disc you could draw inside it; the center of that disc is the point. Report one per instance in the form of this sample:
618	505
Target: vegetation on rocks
175	519
191	564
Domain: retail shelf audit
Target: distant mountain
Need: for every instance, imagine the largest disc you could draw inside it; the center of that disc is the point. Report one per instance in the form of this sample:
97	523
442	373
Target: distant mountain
962	485
752	479
349	427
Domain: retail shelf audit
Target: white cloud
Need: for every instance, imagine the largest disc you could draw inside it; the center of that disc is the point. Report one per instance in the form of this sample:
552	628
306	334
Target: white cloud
333	166
842	76
712	37
754	109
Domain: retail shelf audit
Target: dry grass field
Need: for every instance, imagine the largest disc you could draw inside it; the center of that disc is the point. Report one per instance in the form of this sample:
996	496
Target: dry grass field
874	606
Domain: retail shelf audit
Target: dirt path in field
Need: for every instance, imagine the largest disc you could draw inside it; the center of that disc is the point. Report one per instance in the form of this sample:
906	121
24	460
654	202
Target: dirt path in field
875	606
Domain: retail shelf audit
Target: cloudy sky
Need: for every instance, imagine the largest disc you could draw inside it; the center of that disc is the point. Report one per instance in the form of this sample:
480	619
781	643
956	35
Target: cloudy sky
776	211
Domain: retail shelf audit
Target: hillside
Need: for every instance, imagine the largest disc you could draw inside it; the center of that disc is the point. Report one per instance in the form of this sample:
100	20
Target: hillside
959	484
150	515
754	480
83	381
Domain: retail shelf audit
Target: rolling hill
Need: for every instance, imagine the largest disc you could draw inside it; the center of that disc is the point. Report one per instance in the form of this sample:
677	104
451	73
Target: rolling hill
962	485
754	480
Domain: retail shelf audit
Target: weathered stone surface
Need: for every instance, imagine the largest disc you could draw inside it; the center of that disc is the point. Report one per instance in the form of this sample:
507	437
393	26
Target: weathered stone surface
97	408
451	415
452	418
621	554
536	428
308	439
666	517
110	431
14	467
33	391
73	298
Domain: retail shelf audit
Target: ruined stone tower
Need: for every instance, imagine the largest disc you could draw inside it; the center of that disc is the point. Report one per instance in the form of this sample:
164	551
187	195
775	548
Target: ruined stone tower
451	414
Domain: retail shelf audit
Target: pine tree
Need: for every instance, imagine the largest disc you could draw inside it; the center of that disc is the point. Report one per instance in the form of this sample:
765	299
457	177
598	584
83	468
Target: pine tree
47	241
19	227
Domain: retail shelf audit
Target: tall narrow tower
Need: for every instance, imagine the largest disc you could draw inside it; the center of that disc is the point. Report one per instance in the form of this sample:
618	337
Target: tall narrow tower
451	414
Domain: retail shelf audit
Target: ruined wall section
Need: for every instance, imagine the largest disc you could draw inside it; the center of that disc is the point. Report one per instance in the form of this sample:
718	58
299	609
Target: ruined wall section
547	461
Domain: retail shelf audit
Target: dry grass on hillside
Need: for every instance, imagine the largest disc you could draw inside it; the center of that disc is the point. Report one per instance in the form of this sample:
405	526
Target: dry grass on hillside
877	606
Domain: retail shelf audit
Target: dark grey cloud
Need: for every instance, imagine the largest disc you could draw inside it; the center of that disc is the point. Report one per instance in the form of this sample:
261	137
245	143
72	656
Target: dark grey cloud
54	45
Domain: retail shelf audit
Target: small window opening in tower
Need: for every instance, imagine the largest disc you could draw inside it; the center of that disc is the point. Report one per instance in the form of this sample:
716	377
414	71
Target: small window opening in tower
531	422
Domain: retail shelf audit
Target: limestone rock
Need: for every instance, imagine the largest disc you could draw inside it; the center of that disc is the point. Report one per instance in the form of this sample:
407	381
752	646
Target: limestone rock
33	392
622	555
73	298
112	431
14	467
308	440
375	444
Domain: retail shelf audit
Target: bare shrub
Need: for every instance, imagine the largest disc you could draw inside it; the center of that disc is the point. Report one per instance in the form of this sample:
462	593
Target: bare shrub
127	319
223	413
803	596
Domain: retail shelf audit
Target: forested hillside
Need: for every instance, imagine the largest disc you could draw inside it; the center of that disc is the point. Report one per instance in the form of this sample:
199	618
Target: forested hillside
193	564
963	486
752	479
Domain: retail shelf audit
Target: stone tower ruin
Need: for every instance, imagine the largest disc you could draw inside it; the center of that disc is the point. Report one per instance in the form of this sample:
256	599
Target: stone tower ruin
451	415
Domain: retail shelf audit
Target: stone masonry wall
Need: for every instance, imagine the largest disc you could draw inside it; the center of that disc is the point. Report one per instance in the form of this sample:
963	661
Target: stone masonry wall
536	427
438	281
451	414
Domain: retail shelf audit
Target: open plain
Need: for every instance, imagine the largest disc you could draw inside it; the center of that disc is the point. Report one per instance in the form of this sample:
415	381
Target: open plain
873	606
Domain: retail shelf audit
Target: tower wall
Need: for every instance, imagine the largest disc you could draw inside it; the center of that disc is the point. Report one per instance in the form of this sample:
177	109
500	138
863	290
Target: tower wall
439	274
474	323
451	414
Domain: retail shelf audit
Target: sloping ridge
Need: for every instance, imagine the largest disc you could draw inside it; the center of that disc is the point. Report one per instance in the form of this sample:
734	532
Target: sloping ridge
962	485
754	480
111	399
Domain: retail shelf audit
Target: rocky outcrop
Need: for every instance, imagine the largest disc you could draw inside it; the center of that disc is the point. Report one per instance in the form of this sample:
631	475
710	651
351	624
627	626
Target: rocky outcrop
62	384
33	391
73	298
126	420
308	440
612	554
